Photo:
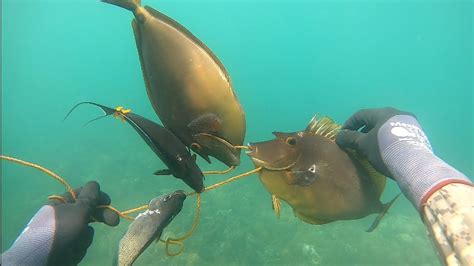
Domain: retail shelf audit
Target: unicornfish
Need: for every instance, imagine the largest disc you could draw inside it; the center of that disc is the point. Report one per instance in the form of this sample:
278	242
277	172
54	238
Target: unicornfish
187	85
174	154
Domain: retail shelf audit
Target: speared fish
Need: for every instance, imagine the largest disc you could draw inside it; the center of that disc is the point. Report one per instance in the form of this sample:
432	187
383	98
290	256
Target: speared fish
319	180
149	226
174	154
187	85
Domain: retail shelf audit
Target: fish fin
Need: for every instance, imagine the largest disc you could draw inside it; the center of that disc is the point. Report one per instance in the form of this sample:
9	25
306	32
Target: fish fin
311	220
163	172
107	111
191	36
206	123
127	4
300	177
323	126
206	158
196	147
276	205
377	178
384	211
212	142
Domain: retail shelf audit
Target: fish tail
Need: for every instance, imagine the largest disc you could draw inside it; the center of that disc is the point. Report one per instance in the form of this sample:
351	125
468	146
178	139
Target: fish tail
385	208
127	4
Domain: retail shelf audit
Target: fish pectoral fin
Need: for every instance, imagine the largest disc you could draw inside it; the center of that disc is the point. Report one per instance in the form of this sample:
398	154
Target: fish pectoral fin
206	123
276	205
163	172
300	177
214	143
384	211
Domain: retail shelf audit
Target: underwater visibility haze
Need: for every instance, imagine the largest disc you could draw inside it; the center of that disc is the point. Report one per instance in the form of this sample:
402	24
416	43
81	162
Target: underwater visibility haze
287	61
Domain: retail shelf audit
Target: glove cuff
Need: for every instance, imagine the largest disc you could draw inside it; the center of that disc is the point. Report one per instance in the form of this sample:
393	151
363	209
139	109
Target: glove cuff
34	244
407	153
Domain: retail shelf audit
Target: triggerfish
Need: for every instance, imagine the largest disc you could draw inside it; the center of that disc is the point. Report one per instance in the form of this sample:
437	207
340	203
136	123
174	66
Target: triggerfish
174	154
188	87
148	226
319	180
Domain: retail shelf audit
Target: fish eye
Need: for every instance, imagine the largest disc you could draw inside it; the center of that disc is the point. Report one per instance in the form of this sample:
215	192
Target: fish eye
179	158
312	169
291	141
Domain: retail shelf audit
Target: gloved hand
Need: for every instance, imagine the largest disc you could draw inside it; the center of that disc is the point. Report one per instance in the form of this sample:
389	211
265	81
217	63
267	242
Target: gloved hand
395	144
59	233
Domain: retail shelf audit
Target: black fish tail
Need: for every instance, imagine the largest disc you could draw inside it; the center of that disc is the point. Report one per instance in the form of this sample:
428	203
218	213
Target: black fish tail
107	110
385	208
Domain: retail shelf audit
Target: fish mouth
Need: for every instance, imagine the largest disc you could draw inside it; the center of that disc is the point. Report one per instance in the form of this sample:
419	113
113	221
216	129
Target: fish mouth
252	149
180	193
253	153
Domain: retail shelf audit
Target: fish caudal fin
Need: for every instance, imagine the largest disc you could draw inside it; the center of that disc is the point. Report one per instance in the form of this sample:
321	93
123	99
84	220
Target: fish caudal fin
385	208
127	4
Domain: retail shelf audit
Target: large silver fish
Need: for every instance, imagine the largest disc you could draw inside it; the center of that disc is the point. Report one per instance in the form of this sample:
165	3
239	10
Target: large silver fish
148	226
187	85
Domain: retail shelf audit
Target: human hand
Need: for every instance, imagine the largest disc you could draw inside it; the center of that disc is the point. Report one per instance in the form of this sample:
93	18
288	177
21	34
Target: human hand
59	233
73	235
395	144
361	133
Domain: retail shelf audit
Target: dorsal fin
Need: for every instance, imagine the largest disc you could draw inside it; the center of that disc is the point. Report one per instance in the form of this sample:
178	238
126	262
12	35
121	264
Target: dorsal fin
323	126
326	127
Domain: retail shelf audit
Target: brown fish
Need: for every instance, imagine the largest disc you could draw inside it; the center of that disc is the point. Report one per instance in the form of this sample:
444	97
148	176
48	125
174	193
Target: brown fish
187	85
319	180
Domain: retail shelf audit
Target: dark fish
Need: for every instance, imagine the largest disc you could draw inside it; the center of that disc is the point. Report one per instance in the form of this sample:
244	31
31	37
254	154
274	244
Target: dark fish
187	85
148	226
319	180
165	144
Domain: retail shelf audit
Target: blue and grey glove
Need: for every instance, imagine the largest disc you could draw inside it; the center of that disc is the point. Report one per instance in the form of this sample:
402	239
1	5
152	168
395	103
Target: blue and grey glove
59	233
395	144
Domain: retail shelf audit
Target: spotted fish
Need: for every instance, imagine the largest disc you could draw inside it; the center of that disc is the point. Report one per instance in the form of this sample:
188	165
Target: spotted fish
148	226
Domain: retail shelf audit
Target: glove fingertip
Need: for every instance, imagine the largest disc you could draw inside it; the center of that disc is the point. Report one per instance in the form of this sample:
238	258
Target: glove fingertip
348	139
110	218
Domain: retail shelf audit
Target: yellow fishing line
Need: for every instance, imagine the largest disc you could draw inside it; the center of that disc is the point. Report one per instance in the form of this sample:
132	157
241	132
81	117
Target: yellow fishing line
242	147
124	214
219	172
179	241
44	170
232	179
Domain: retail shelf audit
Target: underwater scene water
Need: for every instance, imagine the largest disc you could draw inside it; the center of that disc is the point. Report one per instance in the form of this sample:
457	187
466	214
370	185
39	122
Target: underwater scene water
287	60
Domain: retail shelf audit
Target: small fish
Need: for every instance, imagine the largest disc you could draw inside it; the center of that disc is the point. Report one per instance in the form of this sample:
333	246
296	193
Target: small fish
188	87
148	226
164	144
319	180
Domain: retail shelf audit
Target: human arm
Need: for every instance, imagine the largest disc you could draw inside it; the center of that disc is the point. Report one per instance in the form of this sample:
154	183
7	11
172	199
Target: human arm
396	145
59	233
